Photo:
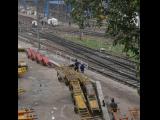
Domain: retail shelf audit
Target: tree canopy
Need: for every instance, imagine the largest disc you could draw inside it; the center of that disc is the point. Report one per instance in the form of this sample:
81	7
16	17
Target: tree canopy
121	20
83	9
122	25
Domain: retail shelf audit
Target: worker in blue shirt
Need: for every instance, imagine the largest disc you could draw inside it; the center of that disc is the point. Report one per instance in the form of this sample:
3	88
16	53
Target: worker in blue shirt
76	67
82	68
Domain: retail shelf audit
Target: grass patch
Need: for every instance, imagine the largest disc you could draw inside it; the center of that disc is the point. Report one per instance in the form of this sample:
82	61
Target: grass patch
94	43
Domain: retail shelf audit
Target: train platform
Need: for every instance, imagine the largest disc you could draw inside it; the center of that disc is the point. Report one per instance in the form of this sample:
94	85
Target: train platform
125	96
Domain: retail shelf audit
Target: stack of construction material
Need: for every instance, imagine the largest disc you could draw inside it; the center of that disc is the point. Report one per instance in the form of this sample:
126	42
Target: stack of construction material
26	114
38	57
21	91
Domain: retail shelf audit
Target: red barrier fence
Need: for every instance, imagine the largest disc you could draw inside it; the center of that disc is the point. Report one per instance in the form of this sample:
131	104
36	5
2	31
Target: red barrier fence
38	57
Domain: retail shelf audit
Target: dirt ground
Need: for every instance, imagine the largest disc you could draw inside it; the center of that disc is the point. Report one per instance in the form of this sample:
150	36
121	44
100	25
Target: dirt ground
53	99
44	93
126	97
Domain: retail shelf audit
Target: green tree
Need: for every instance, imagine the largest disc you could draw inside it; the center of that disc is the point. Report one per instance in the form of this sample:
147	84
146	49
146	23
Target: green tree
78	11
122	19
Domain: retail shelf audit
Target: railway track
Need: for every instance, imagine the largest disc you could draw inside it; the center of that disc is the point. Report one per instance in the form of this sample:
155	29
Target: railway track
116	59
74	30
119	63
95	62
92	57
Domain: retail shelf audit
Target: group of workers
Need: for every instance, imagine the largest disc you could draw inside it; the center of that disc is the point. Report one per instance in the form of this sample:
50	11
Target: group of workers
78	66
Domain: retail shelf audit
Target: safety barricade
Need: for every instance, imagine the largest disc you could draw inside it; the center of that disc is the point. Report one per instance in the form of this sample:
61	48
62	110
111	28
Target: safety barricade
39	57
33	52
28	52
45	61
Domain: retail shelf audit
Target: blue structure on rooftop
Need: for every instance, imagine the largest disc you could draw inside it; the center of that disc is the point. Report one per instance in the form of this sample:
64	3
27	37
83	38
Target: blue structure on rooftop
47	4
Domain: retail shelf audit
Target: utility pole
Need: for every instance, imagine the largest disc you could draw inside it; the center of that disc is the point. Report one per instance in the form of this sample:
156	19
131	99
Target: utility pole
38	26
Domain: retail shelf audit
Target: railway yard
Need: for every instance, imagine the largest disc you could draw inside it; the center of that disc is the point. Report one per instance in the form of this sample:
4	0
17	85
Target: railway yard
50	89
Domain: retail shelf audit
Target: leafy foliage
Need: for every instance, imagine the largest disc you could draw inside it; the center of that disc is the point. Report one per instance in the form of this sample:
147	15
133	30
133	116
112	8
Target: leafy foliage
80	9
122	25
121	21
